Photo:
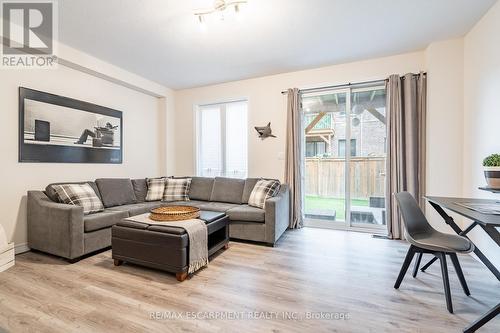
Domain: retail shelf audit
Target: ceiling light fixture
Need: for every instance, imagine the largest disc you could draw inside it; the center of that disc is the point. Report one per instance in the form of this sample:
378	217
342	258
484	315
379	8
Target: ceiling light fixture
219	7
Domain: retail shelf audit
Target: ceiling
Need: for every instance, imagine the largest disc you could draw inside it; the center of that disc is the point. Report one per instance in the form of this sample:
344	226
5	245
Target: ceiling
161	40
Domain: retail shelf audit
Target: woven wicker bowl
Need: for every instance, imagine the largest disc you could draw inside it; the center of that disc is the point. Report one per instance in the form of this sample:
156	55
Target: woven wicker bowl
174	213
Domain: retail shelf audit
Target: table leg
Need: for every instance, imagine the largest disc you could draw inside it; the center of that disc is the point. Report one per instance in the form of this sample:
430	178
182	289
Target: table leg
469	228
492	232
483	319
449	220
181	276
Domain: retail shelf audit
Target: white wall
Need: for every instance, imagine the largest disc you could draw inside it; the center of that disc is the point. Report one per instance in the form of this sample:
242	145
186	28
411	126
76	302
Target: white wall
266	103
481	112
444	65
144	140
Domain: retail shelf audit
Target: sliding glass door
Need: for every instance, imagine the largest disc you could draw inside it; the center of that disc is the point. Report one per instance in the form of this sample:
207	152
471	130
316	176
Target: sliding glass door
325	159
345	154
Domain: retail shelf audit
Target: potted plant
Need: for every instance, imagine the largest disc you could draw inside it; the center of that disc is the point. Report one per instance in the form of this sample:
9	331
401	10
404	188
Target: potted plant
491	166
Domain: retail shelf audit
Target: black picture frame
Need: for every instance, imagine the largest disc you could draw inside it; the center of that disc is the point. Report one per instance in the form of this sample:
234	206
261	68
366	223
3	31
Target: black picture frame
43	147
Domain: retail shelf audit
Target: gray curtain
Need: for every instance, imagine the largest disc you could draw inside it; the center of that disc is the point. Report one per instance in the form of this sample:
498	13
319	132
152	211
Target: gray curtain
293	157
406	112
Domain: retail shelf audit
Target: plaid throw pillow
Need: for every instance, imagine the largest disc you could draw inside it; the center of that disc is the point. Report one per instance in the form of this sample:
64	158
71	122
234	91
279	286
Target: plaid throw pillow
263	190
156	187
177	189
79	195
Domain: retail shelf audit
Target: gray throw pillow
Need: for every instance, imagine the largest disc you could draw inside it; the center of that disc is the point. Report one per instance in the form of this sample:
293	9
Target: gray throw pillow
140	189
116	191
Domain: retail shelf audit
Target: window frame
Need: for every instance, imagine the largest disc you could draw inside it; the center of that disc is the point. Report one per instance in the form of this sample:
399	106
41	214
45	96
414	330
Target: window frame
198	134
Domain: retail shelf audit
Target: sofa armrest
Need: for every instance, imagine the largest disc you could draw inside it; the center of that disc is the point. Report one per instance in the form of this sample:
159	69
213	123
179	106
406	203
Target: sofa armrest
277	216
54	227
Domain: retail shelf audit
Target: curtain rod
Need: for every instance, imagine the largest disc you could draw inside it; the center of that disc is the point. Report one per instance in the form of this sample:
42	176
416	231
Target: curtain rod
346	85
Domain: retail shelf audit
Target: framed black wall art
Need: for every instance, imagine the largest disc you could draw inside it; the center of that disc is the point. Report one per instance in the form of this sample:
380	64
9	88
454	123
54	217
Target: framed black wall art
56	129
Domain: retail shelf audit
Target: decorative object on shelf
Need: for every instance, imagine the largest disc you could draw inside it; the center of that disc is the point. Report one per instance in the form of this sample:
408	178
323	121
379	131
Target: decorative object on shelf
265	131
491	166
58	129
220	7
6	252
174	213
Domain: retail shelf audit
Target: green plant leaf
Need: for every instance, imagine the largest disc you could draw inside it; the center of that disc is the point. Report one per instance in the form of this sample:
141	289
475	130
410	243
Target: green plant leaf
492	161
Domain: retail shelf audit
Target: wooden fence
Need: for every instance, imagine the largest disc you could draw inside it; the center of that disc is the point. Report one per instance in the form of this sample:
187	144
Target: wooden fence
324	177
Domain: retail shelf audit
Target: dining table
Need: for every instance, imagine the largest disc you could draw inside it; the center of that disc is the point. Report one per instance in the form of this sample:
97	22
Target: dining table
480	216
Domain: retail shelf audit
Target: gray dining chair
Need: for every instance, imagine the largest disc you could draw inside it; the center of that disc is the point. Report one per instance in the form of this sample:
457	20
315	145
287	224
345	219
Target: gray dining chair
424	238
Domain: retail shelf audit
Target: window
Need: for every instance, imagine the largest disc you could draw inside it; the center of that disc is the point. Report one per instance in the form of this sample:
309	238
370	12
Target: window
316	149
342	147
222	140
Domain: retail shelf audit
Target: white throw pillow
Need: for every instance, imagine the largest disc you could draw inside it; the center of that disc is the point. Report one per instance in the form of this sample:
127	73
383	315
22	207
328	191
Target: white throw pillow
177	189
156	187
263	190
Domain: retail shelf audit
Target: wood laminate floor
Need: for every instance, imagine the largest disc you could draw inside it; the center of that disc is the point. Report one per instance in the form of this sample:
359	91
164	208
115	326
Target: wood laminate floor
310	272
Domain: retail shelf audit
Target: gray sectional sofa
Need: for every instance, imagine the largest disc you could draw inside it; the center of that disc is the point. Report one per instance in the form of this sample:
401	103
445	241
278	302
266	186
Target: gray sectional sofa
64	230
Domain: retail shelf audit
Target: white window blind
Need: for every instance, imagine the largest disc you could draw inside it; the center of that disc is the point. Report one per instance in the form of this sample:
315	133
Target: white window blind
222	140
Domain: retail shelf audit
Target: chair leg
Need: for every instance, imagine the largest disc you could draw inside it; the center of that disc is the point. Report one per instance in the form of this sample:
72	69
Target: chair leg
417	264
428	264
406	264
460	273
446	281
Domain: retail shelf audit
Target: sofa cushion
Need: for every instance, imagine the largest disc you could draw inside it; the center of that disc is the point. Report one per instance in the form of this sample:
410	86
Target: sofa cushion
227	190
51	193
247	190
263	190
116	191
137	208
82	195
102	220
201	188
140	189
217	206
156	187
246	213
194	203
176	189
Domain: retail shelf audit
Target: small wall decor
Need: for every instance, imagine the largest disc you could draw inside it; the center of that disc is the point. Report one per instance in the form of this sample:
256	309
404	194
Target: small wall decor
58	129
265	131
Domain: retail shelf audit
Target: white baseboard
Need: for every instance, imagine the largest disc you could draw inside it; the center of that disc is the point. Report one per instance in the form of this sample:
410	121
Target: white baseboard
7	258
7	266
21	248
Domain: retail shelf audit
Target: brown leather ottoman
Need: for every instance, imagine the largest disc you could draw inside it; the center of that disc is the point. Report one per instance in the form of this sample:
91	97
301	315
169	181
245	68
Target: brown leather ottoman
164	247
